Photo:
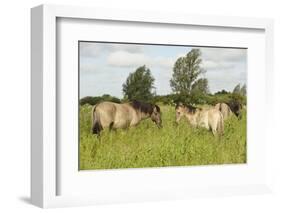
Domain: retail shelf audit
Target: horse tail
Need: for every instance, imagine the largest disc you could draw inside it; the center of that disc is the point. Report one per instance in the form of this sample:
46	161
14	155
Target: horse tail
221	125
96	124
220	107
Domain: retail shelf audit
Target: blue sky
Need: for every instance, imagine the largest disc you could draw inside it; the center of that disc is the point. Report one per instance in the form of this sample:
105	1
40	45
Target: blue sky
104	67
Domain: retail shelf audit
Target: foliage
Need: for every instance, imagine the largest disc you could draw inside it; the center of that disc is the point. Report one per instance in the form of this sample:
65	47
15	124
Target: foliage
172	99
199	91
186	70
224	98
200	86
94	100
237	89
243	90
164	99
139	85
240	98
222	92
239	93
148	146
240	90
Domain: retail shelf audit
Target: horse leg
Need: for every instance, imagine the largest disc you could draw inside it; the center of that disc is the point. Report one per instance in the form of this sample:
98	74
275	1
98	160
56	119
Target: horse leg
97	128
214	131
111	126
96	125
213	128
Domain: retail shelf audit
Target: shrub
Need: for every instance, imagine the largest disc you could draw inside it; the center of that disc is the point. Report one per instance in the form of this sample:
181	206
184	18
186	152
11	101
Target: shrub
94	100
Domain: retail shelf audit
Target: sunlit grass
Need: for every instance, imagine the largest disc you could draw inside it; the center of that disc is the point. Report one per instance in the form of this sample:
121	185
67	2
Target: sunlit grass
148	146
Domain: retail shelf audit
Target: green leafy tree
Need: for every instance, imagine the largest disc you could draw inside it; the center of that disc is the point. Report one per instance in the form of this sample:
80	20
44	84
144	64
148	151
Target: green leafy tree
139	85
236	89
200	86
185	80
186	71
243	90
94	100
199	91
222	92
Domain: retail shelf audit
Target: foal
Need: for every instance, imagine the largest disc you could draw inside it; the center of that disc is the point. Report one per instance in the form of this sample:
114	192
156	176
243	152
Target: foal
210	119
224	109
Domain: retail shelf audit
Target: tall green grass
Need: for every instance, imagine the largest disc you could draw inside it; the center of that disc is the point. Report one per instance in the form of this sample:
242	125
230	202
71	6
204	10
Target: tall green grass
148	146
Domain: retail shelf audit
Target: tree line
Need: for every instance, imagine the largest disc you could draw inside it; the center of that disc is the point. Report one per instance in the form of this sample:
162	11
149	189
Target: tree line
186	84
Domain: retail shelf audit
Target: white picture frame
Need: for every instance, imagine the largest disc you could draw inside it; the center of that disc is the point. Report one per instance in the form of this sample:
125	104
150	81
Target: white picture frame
44	155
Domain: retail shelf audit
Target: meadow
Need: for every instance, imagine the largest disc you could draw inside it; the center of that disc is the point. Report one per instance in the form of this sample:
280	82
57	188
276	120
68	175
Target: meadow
148	146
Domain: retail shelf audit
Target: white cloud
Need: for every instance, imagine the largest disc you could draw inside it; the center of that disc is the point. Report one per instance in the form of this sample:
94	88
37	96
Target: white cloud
87	67
166	63
92	49
123	58
213	65
226	54
127	47
89	49
217	58
128	59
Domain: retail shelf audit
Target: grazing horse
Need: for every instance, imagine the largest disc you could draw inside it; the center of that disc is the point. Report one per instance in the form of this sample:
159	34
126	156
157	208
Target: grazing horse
210	119
115	116
236	108
224	109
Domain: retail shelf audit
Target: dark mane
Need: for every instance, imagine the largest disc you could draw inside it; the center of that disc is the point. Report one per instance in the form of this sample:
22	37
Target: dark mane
235	106
189	108
178	105
157	108
144	107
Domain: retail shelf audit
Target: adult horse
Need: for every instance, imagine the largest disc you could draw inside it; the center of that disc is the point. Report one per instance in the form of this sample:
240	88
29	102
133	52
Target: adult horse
236	108
224	109
115	116
210	119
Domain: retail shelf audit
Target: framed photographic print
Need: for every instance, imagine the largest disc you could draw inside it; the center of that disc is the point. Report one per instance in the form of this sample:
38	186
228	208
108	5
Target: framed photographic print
129	106
148	89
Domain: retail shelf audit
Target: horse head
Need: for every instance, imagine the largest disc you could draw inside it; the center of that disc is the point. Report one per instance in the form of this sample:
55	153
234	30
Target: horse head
156	115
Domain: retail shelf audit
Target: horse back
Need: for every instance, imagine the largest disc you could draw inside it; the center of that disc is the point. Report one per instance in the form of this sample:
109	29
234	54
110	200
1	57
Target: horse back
224	109
106	112
216	120
124	116
117	115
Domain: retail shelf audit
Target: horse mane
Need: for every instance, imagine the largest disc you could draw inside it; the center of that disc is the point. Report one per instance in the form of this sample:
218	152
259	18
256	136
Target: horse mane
190	108
144	107
234	105
157	108
179	104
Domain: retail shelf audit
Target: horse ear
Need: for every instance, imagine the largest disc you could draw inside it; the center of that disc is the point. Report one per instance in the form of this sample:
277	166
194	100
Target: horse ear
179	104
156	108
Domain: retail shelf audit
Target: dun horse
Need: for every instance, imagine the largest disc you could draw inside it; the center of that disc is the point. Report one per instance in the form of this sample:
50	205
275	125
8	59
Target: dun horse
210	119
224	109
236	108
114	116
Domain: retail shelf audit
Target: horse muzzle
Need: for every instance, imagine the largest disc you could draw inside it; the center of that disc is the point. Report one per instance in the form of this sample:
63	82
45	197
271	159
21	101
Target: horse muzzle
159	126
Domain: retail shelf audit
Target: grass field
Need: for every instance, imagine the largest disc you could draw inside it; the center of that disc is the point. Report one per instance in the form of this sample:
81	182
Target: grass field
148	146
